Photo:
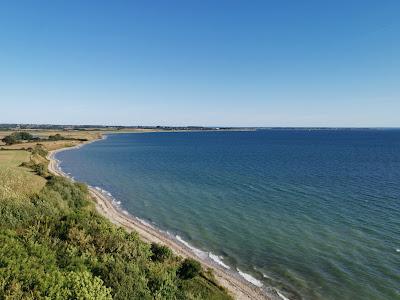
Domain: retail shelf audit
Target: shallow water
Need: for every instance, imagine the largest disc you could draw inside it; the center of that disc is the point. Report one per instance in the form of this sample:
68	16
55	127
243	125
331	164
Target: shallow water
314	213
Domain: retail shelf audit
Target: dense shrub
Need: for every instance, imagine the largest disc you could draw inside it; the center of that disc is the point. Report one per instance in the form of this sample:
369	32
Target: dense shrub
160	252
56	137
9	140
39	150
26	136
40	169
17	137
189	269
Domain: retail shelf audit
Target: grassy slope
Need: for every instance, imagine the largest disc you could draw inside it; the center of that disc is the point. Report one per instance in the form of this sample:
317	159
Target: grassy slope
18	179
54	244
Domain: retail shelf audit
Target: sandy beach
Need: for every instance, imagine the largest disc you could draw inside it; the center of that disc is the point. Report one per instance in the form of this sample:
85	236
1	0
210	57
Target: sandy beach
237	286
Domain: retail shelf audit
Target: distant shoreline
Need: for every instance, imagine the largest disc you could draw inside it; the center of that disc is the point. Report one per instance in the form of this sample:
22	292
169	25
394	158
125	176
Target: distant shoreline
238	287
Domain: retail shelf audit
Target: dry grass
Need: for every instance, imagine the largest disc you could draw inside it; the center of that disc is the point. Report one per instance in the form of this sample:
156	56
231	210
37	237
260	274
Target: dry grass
75	134
52	145
16	181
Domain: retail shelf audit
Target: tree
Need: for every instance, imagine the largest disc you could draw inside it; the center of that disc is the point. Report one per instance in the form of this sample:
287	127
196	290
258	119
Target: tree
17	137
56	137
26	136
189	269
9	140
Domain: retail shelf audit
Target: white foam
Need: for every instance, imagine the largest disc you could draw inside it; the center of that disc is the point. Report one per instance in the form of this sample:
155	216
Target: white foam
281	296
125	212
218	260
144	222
397	250
266	276
196	251
250	278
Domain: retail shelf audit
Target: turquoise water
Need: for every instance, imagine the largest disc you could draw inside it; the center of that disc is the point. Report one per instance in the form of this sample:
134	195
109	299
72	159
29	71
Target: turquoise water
314	213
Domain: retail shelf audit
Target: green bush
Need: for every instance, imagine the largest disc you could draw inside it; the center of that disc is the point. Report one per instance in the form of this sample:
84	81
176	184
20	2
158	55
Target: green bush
9	140
17	137
189	269
39	150
40	169
26	136
160	252
56	137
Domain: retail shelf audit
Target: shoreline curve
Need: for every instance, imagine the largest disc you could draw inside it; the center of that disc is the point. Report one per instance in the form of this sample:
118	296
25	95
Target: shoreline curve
236	286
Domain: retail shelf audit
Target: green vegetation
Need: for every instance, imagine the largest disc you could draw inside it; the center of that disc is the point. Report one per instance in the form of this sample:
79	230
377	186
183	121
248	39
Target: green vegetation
25	137
54	245
14	179
38	163
17	137
56	137
160	252
189	269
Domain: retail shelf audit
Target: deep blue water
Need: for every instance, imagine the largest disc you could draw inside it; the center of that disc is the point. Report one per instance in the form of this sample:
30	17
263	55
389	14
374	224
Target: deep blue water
314	213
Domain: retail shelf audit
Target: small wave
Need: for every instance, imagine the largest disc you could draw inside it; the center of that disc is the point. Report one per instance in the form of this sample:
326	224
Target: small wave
281	296
250	278
125	212
115	202
266	276
145	223
397	250
198	252
105	192
218	260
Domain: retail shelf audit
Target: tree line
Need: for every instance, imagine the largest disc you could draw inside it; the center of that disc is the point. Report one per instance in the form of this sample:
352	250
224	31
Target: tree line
19	137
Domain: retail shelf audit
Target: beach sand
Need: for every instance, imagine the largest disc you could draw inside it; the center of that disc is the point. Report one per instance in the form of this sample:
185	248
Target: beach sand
236	286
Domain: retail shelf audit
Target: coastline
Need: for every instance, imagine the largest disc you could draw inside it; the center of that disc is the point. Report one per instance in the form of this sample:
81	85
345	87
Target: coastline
236	286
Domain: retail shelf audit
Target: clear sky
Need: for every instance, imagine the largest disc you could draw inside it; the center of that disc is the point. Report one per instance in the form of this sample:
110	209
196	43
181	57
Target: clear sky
191	62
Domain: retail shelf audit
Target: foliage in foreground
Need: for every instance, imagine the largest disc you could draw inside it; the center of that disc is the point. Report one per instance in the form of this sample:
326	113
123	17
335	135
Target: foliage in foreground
54	245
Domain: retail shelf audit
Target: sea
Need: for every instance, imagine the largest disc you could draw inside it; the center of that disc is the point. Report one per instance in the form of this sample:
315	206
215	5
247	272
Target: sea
314	214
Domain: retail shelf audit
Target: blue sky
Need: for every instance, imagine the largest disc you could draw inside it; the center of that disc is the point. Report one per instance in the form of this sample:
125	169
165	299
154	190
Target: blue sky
222	63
